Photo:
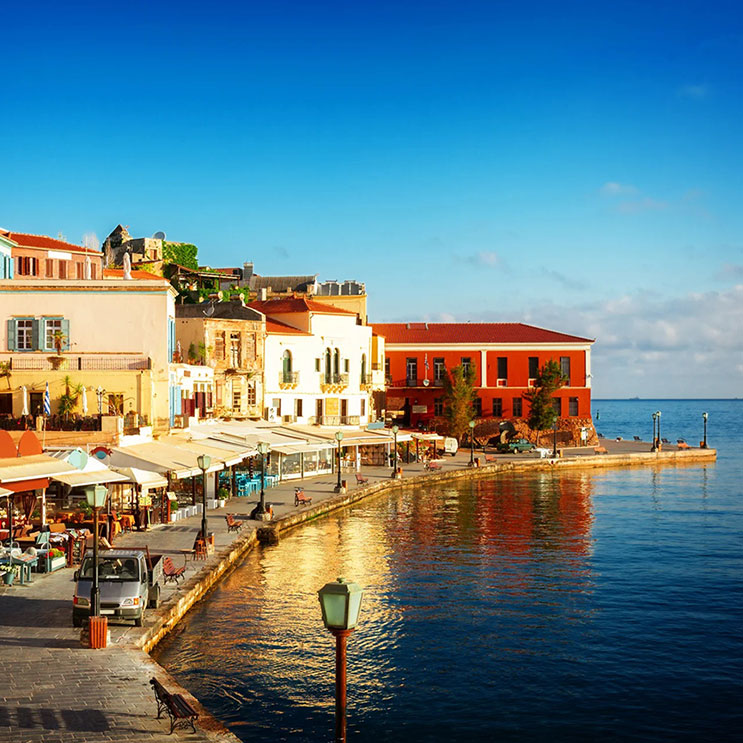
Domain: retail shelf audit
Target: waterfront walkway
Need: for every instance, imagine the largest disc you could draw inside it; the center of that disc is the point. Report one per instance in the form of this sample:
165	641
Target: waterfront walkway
53	690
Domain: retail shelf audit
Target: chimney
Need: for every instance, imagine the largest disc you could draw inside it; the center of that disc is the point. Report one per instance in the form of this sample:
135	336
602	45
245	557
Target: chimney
263	294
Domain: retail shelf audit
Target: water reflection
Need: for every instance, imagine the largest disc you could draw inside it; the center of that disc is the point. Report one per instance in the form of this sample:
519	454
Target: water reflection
454	577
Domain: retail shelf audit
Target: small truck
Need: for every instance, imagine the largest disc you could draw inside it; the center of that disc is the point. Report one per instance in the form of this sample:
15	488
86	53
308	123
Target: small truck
129	582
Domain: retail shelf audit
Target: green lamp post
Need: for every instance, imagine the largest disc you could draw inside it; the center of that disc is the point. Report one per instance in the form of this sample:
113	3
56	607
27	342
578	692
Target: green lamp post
340	602
339	438
96	500
204	461
395	430
471	424
263	449
704	441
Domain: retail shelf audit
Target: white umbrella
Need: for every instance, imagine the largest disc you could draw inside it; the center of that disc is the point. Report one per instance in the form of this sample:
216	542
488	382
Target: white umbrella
25	400
85	401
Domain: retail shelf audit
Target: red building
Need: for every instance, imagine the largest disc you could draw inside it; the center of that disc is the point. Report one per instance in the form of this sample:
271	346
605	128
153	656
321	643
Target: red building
504	356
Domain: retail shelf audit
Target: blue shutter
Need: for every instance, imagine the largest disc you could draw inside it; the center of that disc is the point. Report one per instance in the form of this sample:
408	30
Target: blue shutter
11	335
36	343
10	268
66	331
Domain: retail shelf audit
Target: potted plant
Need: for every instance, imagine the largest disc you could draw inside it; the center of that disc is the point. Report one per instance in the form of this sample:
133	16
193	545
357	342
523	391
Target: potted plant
57	559
8	573
174	510
222	495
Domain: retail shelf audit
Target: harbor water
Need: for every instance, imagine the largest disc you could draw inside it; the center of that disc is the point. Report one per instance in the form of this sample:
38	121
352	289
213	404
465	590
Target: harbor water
577	606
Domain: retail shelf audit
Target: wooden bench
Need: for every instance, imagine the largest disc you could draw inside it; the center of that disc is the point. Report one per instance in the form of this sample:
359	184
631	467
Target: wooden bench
232	524
179	709
600	450
171	572
300	499
360	480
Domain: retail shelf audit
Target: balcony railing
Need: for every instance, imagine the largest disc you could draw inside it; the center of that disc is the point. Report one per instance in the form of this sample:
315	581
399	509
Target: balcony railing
94	362
336	380
288	378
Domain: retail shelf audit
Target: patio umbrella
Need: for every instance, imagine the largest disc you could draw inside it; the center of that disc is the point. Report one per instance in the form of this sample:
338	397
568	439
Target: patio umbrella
47	401
25	400
85	401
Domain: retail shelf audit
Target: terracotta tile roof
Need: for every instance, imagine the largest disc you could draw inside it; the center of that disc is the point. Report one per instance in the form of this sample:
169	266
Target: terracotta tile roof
118	273
296	304
274	327
26	240
471	333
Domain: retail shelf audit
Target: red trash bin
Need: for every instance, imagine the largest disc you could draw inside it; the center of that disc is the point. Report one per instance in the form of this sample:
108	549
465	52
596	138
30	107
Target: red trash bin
98	632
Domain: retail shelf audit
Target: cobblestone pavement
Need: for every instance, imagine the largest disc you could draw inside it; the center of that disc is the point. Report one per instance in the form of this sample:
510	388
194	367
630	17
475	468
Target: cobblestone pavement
53	690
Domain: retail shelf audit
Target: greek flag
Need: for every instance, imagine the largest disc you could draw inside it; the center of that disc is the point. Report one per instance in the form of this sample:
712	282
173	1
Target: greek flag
47	401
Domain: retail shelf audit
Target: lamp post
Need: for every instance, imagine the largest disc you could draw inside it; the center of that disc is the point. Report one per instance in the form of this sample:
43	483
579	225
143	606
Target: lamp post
204	461
554	439
657	412
96	500
395	429
263	449
704	441
472	443
655	440
339	438
341	603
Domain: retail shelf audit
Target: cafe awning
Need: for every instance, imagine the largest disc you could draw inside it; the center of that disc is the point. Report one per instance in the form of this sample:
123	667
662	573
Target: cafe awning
147	479
33	467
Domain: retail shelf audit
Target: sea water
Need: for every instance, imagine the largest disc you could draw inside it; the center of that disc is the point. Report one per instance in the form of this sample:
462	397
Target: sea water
580	606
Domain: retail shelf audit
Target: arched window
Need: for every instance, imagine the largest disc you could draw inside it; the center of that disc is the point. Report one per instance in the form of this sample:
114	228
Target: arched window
363	368
328	367
287	366
337	364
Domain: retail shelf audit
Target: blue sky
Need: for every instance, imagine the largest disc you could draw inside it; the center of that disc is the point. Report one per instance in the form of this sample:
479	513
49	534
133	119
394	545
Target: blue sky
567	164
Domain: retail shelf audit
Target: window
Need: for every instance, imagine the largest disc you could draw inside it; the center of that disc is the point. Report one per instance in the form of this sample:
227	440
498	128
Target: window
328	366
533	366
80	270
298	407
286	368
477	404
565	368
6	403
318	363
251	398
439	370
363	369
235	350
557	405
346	365
63	269
438	406
411	372
27	266
363	408
466	365
24	332
518	407
36	403
573	406
54	334
318	408
387	372
219	346
236	399
336	363
92	271
502	367
498	407
49	267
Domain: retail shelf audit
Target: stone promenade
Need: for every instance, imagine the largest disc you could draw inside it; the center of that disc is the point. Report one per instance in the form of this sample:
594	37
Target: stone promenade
52	690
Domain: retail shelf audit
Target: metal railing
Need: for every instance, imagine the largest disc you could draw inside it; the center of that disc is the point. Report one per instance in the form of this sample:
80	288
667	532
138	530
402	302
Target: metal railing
288	377
78	363
341	379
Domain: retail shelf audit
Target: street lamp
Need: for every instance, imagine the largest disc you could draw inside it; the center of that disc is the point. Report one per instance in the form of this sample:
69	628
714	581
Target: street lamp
655	440
554	439
395	429
341	603
96	500
472	443
204	461
263	449
704	441
657	412
339	438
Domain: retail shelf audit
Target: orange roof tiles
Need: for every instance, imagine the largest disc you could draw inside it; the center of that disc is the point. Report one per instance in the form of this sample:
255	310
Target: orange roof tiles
274	327
118	273
27	240
296	304
471	333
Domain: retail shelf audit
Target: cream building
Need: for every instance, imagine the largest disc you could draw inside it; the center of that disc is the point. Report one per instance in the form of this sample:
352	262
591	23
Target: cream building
114	336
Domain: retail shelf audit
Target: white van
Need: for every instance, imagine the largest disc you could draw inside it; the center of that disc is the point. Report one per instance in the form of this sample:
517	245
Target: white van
451	445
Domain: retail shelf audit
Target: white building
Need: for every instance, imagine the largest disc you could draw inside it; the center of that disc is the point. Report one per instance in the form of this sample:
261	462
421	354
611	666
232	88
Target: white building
318	363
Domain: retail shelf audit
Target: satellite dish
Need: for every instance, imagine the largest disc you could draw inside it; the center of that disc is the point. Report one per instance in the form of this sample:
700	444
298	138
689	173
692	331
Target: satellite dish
159	235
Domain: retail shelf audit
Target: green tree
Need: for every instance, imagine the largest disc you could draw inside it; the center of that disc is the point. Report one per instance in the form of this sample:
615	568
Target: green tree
459	397
68	400
184	254
543	414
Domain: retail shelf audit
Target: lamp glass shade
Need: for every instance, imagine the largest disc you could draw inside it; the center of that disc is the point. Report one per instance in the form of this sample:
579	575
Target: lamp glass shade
340	602
705	416
96	496
262	447
472	424
204	461
339	435
395	429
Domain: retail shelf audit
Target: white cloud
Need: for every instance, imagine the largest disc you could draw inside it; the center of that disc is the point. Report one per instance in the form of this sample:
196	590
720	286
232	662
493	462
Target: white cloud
642	205
484	258
612	188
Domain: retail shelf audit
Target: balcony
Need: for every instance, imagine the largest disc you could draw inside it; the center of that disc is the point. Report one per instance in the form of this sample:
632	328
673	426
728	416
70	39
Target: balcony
288	380
74	362
338	420
333	382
